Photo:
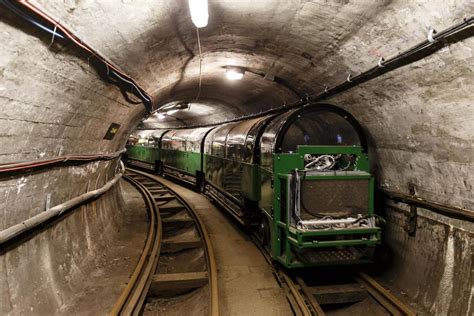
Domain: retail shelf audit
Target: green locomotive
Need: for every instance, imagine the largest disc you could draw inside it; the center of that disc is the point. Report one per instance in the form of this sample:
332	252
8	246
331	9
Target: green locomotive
300	179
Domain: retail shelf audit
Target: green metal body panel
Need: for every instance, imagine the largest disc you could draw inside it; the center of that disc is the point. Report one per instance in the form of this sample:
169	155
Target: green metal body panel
269	188
143	153
287	240
239	179
186	162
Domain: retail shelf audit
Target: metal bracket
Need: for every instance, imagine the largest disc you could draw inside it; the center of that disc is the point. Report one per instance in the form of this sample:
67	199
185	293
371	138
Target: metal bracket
380	63
431	32
48	202
54	35
348	79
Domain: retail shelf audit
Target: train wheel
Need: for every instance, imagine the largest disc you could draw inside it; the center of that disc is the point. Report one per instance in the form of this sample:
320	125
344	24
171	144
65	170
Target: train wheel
202	185
263	231
159	168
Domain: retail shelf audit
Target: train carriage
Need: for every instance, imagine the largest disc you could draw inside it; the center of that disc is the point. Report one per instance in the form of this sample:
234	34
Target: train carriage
316	189
300	179
181	153
145	152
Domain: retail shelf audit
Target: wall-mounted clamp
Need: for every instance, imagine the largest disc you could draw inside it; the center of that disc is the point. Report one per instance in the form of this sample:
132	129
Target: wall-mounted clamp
431	32
348	79
54	35
380	63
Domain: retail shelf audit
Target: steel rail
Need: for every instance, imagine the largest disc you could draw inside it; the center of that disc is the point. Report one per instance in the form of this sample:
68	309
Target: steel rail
298	299
310	298
384	297
132	297
210	257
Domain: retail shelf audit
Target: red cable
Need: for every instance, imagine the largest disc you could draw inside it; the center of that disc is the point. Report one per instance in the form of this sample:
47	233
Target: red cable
79	42
8	167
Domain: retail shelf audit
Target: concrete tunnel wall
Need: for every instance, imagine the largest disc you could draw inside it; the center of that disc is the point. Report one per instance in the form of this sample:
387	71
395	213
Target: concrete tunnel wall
421	135
54	105
419	118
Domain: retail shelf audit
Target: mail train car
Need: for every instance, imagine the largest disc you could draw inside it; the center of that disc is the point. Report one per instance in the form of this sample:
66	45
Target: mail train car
299	179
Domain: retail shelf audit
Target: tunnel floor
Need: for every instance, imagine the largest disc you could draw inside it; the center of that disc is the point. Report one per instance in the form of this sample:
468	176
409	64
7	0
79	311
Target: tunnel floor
112	272
245	280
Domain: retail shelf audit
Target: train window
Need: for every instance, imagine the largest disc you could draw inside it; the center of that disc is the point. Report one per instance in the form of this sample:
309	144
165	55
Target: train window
178	142
208	142
157	136
219	139
151	141
269	137
166	141
236	140
194	139
319	128
252	138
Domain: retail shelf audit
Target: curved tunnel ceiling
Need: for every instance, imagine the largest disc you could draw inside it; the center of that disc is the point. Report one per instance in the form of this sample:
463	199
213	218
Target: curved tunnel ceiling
308	44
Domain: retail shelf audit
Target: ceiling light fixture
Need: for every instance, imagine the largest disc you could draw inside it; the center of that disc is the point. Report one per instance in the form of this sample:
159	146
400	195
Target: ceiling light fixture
171	112
234	73
199	12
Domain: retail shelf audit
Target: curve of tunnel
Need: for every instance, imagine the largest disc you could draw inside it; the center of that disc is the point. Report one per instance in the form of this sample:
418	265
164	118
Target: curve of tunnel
67	113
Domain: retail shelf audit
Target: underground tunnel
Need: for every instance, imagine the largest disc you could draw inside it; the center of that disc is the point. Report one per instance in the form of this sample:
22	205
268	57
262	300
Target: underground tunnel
237	157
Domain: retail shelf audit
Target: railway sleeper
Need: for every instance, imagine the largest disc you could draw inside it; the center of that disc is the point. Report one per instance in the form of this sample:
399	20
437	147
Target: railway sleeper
171	208
171	284
157	190
171	246
338	294
172	222
164	197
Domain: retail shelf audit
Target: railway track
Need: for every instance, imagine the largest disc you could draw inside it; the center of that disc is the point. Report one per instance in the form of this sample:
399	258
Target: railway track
168	284
311	299
303	298
176	272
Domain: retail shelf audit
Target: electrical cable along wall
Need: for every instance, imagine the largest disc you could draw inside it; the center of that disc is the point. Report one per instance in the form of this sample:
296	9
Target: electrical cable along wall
58	32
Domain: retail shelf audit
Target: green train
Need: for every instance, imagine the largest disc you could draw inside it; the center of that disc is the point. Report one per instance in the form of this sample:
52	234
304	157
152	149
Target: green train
300	180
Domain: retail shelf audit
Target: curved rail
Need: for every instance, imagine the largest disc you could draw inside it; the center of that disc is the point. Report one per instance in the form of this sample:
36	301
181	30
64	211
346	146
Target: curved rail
384	297
132	297
304	303
214	303
164	194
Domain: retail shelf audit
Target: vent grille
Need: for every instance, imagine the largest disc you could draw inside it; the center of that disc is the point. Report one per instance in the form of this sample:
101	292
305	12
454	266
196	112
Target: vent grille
335	198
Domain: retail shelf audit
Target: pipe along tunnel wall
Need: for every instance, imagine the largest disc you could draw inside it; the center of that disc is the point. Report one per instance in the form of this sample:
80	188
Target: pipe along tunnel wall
419	118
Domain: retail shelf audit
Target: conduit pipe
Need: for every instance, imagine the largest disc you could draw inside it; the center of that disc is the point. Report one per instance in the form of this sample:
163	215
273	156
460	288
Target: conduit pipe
29	224
16	166
446	210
